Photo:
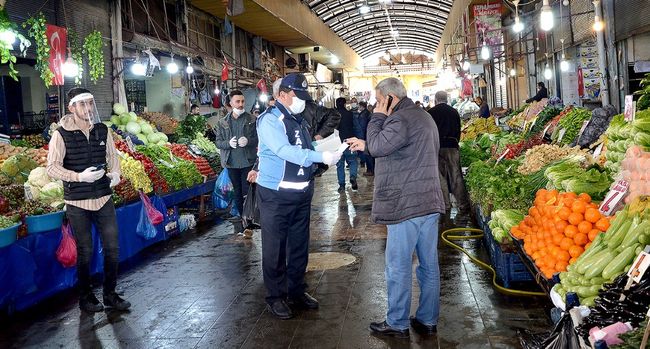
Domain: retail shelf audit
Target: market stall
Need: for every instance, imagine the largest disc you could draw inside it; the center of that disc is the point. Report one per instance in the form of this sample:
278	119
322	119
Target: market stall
566	190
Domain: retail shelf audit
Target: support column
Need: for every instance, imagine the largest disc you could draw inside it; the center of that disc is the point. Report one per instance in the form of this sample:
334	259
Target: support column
610	37
602	58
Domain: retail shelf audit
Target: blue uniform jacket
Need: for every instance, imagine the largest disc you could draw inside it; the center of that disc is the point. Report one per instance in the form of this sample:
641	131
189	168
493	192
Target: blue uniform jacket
285	151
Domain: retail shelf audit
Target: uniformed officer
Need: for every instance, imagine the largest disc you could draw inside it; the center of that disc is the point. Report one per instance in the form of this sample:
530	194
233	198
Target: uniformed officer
284	192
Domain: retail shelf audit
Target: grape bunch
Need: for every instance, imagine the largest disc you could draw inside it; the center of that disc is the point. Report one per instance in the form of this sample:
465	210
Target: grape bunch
159	183
134	171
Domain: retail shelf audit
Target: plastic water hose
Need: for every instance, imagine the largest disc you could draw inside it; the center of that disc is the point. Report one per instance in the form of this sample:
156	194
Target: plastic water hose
446	237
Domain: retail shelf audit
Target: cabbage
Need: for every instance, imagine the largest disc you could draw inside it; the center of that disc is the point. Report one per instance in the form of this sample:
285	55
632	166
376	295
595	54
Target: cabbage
134	116
119	109
115	119
38	177
163	136
153	138
51	192
133	127
147	129
108	123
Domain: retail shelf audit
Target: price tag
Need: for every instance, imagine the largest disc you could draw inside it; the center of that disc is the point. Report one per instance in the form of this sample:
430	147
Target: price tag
120	154
639	266
172	157
598	150
614	197
194	149
561	135
582	129
28	193
503	155
165	163
129	143
630	108
546	129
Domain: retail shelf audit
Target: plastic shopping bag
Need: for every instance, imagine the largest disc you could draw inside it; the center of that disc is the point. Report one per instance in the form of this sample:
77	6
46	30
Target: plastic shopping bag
145	228
563	336
251	214
223	191
66	254
159	205
155	216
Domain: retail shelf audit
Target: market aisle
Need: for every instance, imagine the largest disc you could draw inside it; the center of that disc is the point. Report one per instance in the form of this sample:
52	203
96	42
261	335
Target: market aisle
205	290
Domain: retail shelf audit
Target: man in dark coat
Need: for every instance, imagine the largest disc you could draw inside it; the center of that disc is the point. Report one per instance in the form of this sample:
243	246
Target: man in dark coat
346	130
403	138
542	93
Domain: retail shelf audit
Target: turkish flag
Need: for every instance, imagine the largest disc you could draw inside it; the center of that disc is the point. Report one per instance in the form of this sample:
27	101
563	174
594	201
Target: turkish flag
261	85
224	70
56	38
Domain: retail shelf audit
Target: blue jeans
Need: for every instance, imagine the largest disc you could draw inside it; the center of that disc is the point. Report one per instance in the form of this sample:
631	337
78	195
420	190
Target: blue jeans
351	159
419	234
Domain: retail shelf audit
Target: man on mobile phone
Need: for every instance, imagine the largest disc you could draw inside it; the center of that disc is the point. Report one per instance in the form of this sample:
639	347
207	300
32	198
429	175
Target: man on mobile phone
78	147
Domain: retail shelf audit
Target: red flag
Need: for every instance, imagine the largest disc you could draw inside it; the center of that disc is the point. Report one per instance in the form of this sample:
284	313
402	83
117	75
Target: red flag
224	70
56	38
581	83
261	85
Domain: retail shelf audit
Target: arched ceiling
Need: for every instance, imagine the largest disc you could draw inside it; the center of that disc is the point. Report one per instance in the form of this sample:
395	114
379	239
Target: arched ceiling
420	23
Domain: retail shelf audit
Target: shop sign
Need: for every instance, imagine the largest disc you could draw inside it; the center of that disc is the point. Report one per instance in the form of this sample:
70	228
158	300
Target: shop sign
630	108
488	20
56	38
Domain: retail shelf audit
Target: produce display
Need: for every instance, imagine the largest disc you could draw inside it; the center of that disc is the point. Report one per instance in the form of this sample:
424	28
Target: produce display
542	155
552	125
158	182
527	117
133	171
129	122
45	189
501	222
16	169
471	152
570	124
6	222
178	173
516	149
544	117
182	151
164	122
498	186
558	229
124	192
205	145
635	170
189	127
478	126
502	140
568	175
35	141
607	257
643	102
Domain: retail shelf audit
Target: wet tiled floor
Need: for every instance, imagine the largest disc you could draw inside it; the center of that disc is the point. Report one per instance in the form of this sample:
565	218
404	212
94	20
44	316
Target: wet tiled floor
205	290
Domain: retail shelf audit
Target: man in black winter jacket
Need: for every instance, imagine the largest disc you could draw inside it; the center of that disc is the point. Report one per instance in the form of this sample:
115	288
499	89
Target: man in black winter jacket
346	130
542	93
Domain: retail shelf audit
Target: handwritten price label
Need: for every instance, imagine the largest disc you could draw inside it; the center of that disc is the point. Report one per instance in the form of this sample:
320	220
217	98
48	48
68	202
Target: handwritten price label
614	197
503	155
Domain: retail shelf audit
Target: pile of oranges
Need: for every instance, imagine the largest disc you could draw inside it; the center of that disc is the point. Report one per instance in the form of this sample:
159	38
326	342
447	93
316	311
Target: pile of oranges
559	228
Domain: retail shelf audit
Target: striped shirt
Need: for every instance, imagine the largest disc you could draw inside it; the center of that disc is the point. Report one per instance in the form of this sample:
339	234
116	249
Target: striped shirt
56	154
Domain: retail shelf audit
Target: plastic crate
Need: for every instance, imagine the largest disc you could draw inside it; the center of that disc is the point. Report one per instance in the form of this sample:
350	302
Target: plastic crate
8	235
508	266
45	222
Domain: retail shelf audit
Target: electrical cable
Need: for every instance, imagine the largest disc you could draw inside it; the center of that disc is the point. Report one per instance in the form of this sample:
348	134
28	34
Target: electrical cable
447	237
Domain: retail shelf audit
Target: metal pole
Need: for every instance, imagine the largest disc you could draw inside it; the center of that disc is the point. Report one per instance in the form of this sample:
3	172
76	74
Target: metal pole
602	58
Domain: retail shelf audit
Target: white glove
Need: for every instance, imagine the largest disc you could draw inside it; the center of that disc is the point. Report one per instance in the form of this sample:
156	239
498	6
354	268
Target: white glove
115	178
90	175
242	141
331	158
233	142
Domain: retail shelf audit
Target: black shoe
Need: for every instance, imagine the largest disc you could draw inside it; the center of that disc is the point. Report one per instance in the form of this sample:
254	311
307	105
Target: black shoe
422	328
90	303
341	189
353	181
382	328
280	309
113	300
320	170
305	301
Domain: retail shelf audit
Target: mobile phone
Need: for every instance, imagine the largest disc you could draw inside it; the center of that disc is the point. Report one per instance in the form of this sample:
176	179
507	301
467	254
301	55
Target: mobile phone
390	102
100	167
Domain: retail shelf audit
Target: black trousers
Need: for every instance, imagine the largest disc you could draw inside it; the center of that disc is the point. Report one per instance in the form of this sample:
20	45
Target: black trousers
284	217
106	223
240	184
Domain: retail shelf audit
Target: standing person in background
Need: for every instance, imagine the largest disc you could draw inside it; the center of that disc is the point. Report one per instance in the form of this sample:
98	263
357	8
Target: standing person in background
407	198
82	154
418	104
237	142
195	109
484	109
542	93
346	130
363	120
448	122
284	193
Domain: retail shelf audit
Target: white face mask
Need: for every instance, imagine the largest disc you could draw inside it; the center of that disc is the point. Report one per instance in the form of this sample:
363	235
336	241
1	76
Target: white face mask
297	105
238	111
353	105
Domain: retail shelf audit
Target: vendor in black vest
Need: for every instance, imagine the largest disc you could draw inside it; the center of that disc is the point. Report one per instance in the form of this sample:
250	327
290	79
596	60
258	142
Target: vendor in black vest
83	156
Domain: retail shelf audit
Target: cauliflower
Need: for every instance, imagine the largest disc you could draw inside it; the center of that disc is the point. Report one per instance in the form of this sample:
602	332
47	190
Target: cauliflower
38	177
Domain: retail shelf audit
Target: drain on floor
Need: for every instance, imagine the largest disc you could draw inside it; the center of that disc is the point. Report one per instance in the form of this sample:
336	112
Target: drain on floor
329	260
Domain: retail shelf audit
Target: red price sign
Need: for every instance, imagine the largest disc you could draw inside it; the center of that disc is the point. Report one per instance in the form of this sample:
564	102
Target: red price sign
614	197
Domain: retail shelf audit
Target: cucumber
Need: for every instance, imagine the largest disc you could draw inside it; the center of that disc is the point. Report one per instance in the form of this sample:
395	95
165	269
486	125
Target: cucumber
597	267
591	251
598	280
617	237
587	263
585	292
644	239
621	218
589	301
616	265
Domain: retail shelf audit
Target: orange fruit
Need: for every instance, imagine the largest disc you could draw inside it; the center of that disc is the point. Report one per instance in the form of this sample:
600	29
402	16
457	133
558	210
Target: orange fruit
566	244
573	260
571	195
592	234
585	227
585	197
602	224
575	251
563	255
557	238
578	207
564	213
592	215
541	193
575	218
561	265
587	246
581	239
570	231
561	225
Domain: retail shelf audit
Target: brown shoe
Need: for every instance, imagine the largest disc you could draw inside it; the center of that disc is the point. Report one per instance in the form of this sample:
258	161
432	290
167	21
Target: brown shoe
248	233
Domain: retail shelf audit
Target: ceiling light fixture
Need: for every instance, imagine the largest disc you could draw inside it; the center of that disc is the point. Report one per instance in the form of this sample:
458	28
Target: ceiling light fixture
189	69
485	52
466	65
70	67
518	27
334	60
598	23
513	72
546	17
548	73
172	67
364	8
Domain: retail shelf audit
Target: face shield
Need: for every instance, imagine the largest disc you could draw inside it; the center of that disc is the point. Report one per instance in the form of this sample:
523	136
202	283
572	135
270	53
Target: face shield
84	108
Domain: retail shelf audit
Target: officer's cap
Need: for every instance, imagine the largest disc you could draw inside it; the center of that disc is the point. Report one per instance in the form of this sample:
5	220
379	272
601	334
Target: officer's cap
298	83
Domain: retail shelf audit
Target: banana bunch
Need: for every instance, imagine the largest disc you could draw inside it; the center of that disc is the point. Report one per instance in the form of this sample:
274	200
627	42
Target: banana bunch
134	171
639	205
